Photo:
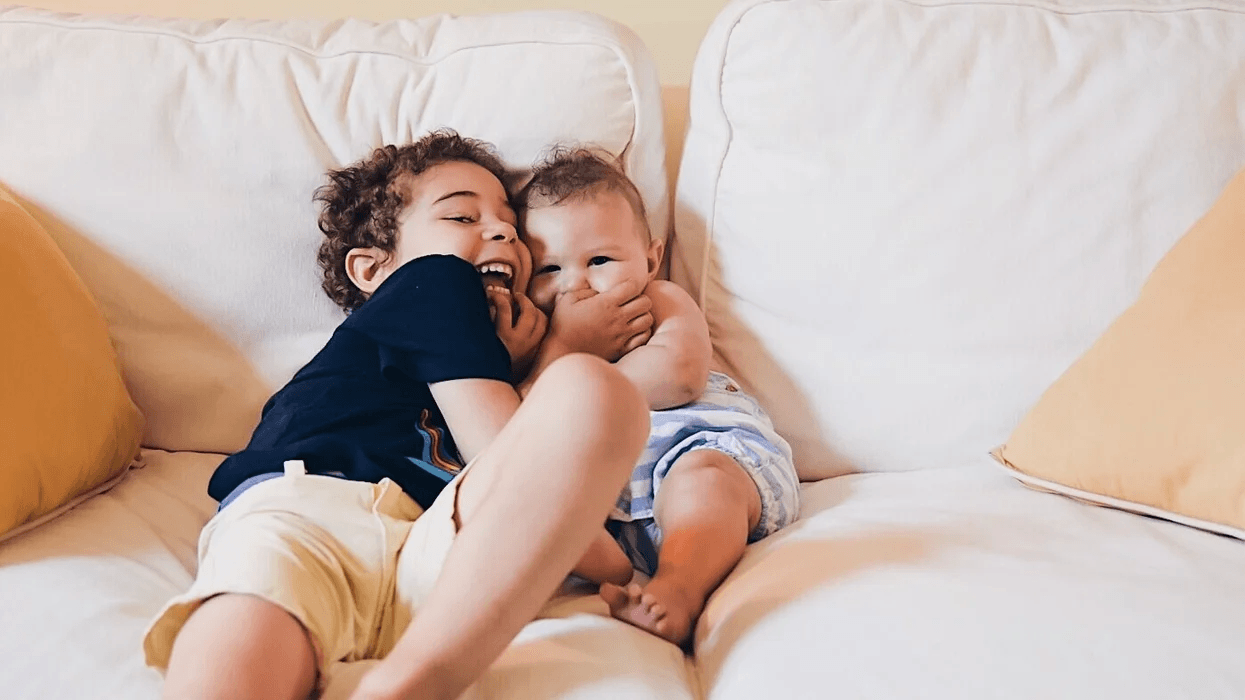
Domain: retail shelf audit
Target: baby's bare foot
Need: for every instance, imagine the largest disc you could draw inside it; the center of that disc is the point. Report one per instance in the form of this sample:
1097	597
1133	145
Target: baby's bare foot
661	607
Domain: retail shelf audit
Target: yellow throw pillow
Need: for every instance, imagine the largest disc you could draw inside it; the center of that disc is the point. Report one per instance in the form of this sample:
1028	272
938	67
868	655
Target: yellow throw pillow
1152	417
67	425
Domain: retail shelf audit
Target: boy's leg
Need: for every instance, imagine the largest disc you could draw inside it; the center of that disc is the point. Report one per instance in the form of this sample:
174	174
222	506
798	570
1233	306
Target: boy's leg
528	508
241	647
291	576
706	507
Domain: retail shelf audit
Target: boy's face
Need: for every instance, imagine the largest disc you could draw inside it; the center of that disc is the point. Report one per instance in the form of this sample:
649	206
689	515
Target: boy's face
456	208
594	242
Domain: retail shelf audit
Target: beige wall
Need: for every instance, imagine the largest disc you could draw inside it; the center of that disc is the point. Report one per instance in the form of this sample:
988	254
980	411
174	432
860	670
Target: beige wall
672	29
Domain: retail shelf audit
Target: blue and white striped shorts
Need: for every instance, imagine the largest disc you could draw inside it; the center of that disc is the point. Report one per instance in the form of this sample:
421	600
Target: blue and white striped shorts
725	419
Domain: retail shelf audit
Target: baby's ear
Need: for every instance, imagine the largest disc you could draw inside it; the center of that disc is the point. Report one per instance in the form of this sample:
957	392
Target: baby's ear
655	249
366	268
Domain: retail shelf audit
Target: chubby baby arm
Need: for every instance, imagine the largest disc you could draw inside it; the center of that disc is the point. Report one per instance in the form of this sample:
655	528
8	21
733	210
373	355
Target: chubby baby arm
672	368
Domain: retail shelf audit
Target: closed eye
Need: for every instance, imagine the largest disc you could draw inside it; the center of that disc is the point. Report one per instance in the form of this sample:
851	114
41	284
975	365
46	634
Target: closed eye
599	260
461	219
547	269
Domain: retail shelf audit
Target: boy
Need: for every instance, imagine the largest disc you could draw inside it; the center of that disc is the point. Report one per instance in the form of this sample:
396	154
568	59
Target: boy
714	475
319	552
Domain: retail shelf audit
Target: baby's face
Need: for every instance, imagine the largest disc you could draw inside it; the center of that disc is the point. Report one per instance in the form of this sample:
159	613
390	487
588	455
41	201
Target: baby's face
594	242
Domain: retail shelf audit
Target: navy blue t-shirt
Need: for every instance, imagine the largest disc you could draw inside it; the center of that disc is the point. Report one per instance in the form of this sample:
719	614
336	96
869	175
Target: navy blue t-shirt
361	408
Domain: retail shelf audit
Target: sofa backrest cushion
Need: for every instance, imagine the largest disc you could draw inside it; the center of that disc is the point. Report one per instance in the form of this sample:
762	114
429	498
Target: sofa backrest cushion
905	220
174	161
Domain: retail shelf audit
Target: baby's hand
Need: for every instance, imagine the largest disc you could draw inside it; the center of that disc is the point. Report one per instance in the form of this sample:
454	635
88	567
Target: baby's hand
608	325
520	325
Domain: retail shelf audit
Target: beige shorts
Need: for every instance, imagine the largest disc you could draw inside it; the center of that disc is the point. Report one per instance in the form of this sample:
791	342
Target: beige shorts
350	560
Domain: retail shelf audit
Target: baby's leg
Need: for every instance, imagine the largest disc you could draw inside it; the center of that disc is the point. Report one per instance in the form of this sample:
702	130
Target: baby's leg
706	507
528	507
241	647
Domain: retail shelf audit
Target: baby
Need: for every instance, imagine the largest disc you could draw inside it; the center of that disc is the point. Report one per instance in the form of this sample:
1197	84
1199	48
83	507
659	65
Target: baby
714	475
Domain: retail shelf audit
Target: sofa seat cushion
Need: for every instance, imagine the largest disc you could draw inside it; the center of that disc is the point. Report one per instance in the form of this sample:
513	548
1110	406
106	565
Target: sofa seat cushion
90	582
67	425
961	583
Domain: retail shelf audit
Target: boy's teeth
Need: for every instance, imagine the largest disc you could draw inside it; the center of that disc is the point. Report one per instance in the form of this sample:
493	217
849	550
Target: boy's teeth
500	268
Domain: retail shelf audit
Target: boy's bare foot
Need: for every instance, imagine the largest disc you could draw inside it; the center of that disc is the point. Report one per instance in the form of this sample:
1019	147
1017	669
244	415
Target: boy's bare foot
661	607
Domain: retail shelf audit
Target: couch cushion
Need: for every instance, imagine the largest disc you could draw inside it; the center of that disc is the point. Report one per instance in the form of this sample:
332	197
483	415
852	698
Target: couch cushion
175	160
67	426
905	220
80	591
960	584
1151	417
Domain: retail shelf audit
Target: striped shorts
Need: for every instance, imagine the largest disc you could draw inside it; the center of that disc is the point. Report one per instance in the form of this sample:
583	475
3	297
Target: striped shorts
725	419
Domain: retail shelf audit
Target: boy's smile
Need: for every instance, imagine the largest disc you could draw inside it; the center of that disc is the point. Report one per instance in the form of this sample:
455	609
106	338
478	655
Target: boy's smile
497	274
457	208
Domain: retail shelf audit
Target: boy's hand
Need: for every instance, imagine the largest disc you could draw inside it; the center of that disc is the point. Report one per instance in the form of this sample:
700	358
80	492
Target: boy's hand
519	324
608	325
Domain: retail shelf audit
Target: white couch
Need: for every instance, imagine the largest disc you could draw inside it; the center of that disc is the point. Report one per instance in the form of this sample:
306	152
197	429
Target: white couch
902	219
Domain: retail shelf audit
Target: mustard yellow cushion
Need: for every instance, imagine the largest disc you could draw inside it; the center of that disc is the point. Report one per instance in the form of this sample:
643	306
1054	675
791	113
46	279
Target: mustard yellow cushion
1152	417
67	425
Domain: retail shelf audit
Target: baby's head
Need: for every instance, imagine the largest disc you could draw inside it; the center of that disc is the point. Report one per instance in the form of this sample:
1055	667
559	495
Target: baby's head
585	224
442	195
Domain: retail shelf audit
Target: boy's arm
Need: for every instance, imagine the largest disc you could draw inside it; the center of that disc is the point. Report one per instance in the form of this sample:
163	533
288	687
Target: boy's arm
475	411
431	321
672	368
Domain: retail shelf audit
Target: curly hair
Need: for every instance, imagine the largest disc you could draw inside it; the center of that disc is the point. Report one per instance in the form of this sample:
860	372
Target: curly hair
569	172
361	203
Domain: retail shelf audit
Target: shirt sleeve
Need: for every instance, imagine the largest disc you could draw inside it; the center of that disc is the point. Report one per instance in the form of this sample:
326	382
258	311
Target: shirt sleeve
431	321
